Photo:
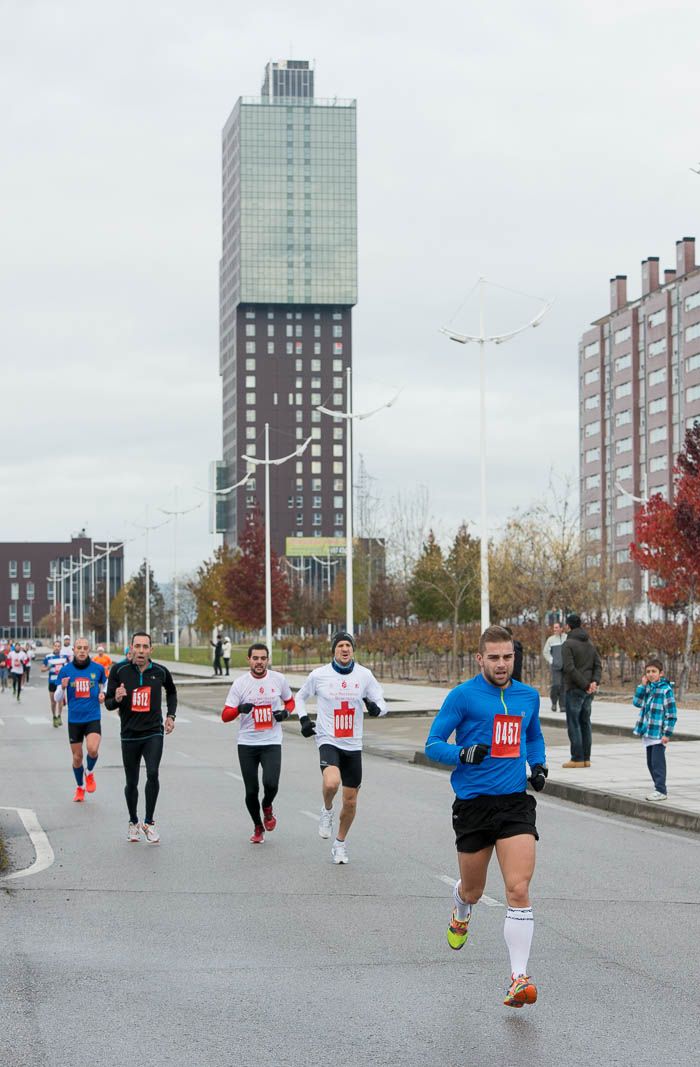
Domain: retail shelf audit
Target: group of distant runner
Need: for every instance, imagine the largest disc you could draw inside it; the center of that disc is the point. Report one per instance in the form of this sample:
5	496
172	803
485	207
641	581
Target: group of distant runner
494	720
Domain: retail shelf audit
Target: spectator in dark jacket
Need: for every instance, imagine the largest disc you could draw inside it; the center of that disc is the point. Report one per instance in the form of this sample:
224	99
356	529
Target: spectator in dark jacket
517	674
581	669
218	649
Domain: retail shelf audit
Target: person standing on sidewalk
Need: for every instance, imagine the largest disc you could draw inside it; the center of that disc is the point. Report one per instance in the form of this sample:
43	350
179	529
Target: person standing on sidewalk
657	718
343	690
218	648
135	689
582	669
226	652
552	653
262	698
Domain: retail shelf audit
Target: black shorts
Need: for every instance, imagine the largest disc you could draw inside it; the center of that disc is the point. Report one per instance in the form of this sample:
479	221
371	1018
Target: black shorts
78	731
349	764
482	821
52	687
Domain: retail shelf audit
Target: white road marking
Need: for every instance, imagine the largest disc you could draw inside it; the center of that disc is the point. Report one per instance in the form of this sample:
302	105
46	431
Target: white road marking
232	775
37	720
186	755
310	815
180	719
2	722
488	901
44	856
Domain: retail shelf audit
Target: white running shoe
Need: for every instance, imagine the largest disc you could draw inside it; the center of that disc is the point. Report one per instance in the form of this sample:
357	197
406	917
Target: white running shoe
151	832
325	823
339	853
656	795
133	833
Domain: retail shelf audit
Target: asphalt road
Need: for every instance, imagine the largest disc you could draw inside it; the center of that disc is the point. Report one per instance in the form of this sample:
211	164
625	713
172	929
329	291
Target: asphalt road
207	950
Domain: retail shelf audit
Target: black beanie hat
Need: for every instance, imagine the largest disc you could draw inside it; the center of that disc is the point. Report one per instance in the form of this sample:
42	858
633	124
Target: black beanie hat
342	635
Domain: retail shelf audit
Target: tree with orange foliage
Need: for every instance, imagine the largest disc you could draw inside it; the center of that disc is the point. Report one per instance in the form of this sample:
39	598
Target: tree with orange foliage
668	543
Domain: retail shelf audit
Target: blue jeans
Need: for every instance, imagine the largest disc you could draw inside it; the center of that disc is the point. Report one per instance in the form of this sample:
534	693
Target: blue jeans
656	762
578	723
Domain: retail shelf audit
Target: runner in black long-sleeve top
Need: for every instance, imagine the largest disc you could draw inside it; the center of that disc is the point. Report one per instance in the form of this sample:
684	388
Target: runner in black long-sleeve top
135	690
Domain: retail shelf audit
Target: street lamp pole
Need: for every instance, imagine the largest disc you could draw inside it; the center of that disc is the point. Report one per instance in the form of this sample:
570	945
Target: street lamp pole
176	591
349	416
267	463
80	593
483	339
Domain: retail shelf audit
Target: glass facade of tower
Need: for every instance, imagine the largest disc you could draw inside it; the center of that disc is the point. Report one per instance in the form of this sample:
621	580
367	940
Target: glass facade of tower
292	177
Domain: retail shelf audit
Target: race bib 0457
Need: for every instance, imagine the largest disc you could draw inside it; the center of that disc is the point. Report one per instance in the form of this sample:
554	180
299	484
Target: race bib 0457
505	742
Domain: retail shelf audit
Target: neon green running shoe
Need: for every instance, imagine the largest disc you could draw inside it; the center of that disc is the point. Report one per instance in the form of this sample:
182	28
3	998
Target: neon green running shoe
457	931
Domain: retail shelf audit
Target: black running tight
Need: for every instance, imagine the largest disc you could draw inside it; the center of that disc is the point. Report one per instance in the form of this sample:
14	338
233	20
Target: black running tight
151	748
269	757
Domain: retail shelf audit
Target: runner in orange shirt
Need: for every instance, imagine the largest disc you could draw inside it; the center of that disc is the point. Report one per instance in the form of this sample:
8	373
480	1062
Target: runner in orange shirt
103	659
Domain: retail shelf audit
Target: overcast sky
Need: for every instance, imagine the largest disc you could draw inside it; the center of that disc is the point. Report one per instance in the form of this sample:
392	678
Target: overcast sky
545	146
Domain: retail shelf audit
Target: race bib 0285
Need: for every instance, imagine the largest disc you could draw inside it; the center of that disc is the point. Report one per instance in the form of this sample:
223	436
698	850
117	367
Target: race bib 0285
262	716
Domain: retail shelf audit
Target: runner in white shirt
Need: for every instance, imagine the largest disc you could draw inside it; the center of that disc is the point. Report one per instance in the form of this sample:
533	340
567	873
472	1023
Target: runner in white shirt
263	699
343	689
67	648
18	658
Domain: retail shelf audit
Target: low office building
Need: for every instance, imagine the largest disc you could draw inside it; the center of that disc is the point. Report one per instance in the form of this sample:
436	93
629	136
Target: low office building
39	577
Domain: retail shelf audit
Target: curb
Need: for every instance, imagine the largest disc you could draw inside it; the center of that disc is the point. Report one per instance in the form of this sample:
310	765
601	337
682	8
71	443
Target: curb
615	803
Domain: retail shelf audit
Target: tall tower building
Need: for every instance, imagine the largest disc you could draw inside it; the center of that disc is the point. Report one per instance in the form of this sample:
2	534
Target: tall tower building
639	386
288	283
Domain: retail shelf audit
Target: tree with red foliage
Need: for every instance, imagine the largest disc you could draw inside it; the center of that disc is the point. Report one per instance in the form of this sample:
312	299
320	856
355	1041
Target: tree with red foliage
668	543
245	580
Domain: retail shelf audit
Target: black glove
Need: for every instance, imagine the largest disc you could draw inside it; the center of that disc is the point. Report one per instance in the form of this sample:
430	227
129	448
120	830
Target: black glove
474	754
245	709
372	708
307	727
281	714
538	775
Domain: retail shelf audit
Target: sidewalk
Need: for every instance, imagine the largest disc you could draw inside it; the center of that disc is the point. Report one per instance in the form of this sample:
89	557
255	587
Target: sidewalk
617	781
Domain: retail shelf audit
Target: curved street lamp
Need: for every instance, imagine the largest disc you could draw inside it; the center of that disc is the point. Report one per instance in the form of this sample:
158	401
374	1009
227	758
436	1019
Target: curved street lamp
482	338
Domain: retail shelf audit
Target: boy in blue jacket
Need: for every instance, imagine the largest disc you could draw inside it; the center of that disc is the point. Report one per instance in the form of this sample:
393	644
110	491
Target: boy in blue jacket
657	718
496	725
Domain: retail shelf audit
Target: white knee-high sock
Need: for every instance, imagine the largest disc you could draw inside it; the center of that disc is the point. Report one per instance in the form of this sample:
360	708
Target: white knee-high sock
463	910
518	930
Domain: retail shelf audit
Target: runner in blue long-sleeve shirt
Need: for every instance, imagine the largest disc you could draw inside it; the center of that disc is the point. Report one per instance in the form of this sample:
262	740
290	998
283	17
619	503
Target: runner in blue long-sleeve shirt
497	733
